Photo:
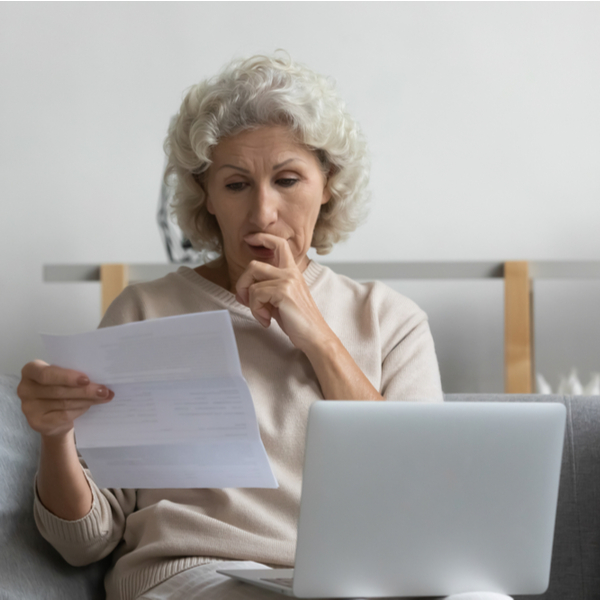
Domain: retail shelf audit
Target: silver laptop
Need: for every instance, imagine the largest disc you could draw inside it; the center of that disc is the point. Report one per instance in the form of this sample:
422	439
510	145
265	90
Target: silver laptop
424	499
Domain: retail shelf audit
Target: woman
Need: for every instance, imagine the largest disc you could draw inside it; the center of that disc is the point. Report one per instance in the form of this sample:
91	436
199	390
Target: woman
266	164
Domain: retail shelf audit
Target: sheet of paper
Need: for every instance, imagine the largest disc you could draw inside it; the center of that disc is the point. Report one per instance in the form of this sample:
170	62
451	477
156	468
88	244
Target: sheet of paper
182	415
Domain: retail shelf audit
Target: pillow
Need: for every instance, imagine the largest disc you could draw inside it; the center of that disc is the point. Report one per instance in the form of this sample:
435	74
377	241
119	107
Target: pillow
30	568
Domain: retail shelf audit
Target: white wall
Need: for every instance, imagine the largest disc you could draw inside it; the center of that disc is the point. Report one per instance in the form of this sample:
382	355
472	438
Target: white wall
483	122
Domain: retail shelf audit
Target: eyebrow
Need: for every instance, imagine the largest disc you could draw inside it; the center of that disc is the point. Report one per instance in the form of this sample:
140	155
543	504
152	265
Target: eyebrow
277	166
285	162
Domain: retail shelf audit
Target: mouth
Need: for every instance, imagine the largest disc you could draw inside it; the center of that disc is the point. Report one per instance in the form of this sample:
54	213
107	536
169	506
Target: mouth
261	251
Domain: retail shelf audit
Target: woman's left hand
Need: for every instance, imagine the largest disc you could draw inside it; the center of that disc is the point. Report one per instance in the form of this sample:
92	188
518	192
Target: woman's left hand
279	291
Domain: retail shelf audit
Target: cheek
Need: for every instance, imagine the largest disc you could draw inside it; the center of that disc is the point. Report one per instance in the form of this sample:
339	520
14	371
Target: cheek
232	224
304	219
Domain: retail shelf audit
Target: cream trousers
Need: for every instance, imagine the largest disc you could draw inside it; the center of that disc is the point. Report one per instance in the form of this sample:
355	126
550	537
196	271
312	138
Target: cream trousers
204	583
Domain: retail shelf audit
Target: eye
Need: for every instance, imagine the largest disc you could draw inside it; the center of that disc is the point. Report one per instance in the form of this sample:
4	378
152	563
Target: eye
238	186
287	182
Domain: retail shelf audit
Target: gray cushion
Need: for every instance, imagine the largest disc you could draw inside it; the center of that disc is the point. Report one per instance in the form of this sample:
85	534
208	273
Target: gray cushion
575	570
30	568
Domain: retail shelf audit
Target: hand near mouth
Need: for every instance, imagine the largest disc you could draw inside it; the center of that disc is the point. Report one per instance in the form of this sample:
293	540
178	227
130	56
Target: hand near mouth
282	253
278	291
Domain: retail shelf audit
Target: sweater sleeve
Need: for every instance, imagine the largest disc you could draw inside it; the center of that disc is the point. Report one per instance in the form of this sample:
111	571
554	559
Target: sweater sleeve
410	369
96	535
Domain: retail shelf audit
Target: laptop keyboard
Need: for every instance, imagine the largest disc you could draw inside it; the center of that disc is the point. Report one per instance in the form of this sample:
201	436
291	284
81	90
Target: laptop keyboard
287	581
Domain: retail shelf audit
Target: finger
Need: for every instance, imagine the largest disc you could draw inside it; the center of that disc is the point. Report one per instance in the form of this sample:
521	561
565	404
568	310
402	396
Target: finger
50	406
45	374
263	302
92	391
260	310
256	271
284	258
34	408
42	414
263	316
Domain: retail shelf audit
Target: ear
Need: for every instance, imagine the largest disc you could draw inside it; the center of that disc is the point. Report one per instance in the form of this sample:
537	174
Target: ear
200	180
326	191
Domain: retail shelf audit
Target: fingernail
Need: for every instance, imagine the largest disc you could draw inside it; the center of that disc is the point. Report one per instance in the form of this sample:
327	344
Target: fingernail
83	380
102	392
111	395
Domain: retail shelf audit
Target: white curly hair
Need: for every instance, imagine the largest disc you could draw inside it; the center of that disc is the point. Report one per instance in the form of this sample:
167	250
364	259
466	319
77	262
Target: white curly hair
262	91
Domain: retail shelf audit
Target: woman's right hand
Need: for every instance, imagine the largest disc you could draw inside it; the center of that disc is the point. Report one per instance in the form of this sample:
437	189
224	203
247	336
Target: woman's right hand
53	397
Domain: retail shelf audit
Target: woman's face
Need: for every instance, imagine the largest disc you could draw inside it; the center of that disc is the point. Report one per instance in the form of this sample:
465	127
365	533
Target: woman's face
262	181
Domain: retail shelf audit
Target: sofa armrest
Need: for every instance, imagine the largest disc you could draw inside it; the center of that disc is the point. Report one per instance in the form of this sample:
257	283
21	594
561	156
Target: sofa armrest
29	566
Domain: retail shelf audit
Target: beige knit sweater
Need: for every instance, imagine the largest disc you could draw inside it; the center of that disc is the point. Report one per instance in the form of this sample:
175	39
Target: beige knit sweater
158	533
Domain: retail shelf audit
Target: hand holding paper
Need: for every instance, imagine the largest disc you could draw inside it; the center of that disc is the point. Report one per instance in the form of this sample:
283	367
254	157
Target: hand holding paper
182	415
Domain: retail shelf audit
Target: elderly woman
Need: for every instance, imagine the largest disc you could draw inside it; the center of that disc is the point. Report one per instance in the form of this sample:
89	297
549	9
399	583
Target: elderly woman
266	164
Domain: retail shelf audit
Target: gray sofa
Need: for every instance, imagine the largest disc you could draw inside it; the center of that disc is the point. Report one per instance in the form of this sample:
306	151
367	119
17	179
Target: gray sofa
30	569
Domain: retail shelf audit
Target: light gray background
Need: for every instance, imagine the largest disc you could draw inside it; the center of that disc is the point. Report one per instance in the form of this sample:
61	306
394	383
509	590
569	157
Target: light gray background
482	118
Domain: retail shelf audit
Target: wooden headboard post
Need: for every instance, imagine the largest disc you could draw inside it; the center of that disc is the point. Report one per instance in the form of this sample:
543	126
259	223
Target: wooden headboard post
518	329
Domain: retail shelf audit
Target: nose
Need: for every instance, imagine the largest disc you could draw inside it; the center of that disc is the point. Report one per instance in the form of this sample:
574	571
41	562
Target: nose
264	207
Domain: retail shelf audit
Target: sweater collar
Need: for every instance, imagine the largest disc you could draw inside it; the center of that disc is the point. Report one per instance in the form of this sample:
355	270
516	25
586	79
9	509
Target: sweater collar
312	272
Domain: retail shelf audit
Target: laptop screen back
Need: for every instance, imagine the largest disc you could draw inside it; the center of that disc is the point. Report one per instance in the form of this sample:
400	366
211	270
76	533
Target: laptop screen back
415	499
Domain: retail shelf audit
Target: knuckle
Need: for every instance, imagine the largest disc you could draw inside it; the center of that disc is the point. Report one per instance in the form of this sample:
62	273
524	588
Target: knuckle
26	410
45	376
31	368
253	296
22	390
